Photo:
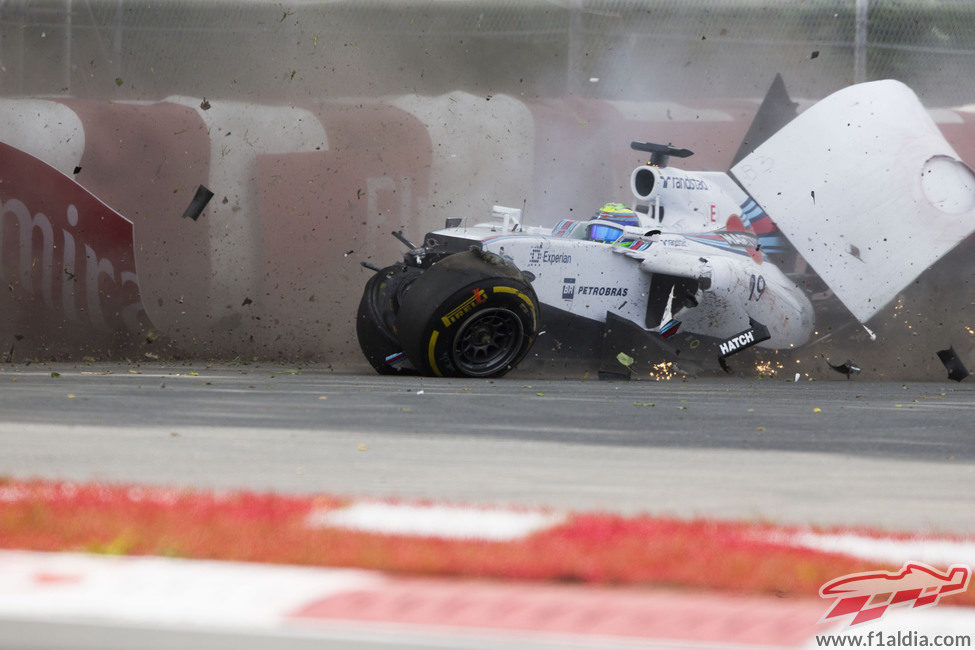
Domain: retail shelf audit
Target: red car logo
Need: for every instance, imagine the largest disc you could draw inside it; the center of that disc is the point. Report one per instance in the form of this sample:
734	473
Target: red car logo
868	595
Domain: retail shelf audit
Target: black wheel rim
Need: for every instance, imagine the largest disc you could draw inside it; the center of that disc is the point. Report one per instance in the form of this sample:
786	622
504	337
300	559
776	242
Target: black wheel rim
488	342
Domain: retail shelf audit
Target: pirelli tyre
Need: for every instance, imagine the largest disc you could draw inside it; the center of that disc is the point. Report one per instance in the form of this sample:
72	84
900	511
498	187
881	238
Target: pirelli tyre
375	323
471	314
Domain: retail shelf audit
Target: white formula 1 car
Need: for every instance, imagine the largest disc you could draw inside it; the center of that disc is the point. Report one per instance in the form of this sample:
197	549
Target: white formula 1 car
862	186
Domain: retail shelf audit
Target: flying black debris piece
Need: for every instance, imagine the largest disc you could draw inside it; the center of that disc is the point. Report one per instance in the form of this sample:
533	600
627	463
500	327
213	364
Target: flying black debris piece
18	337
848	368
205	105
77	170
246	302
10	355
812	193
956	369
200	200
723	362
347	253
776	110
855	252
814	55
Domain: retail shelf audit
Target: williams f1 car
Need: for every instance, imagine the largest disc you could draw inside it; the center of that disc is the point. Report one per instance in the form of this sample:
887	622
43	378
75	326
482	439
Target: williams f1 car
864	192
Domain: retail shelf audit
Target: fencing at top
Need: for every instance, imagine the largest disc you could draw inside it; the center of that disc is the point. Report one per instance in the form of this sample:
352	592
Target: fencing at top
322	127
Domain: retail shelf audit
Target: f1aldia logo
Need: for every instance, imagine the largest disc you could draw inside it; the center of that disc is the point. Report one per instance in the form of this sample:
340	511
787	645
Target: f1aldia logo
867	596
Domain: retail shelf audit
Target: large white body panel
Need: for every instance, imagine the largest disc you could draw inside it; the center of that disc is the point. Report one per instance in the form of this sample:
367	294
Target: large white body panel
867	189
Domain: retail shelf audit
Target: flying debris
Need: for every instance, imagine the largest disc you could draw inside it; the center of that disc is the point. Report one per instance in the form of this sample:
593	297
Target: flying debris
199	202
956	369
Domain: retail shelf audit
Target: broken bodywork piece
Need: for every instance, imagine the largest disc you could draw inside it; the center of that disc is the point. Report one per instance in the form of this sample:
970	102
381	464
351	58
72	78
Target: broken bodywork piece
953	363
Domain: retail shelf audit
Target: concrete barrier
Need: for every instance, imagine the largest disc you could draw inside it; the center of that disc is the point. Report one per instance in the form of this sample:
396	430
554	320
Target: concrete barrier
303	193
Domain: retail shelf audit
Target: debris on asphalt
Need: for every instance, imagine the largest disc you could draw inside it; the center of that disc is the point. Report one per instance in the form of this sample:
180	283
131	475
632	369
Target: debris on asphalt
848	368
55	374
956	369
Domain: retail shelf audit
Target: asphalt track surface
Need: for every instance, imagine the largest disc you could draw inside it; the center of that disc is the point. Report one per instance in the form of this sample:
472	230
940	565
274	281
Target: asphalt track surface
889	455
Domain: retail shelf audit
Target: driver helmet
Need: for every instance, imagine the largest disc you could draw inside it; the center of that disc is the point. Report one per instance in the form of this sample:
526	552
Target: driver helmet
618	213
615	213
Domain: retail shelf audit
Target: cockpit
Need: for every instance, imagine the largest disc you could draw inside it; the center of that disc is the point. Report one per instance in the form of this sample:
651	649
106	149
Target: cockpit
608	225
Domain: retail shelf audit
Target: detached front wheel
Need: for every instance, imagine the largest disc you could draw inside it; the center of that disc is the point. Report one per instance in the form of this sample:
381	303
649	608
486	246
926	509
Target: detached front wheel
375	320
470	315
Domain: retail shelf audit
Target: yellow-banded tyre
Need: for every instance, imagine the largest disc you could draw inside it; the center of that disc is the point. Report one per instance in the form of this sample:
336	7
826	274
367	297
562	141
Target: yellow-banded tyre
376	318
471	314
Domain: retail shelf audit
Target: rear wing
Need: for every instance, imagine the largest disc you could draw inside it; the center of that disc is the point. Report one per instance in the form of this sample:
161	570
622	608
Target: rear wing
867	190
